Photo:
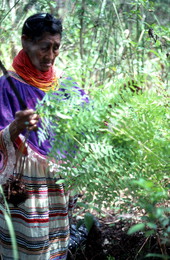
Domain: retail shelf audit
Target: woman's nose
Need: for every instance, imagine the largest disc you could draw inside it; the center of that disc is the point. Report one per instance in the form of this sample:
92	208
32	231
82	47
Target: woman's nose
51	54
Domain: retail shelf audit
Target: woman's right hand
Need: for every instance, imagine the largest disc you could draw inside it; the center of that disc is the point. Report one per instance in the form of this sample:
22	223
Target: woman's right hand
25	119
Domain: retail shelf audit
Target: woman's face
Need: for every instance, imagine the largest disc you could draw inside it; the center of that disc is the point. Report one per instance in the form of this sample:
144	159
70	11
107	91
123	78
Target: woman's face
43	52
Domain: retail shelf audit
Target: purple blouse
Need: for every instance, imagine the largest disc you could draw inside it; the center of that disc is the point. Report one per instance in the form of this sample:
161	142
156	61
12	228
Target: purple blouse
9	105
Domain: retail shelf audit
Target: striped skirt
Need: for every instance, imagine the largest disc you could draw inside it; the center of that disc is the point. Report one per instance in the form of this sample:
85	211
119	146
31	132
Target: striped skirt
41	223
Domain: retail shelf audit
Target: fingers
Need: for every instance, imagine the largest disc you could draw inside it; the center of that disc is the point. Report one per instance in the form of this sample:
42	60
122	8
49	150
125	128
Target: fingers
27	119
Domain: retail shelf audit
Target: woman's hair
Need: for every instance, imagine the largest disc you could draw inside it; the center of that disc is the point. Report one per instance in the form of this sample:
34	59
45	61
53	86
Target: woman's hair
36	25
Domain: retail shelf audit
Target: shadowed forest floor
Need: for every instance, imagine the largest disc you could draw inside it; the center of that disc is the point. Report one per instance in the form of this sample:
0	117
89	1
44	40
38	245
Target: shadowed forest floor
109	241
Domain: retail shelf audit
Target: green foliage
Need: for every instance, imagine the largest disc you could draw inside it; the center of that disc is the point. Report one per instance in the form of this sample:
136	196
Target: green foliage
101	39
88	220
164	257
118	137
152	199
117	145
116	148
111	38
136	228
110	258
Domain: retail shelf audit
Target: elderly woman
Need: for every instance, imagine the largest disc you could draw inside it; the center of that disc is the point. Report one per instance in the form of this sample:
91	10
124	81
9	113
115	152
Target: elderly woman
41	220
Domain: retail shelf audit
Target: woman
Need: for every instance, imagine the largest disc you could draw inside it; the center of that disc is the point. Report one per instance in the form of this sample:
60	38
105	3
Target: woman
41	222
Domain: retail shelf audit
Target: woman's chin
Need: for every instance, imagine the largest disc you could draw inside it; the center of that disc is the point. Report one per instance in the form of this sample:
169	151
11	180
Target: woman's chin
44	67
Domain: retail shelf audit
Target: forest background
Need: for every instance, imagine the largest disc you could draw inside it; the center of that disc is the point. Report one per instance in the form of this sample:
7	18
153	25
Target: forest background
119	52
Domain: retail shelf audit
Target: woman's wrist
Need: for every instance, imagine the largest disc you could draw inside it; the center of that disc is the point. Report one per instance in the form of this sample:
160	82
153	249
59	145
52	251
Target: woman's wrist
14	130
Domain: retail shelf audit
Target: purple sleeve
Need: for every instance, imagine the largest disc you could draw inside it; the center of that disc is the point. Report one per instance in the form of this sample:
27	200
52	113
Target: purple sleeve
74	86
8	104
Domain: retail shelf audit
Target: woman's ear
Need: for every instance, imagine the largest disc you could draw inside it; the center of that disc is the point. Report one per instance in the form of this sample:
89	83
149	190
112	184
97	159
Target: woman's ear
25	42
